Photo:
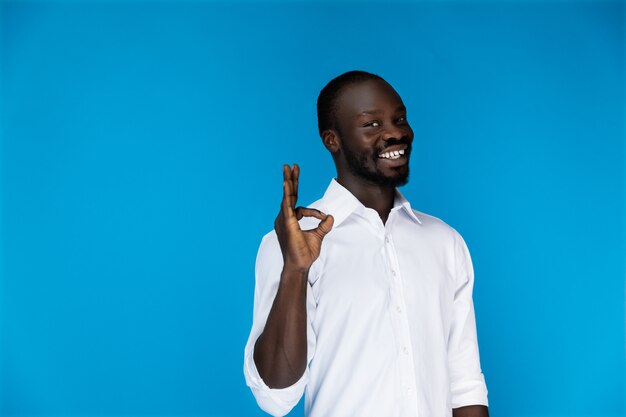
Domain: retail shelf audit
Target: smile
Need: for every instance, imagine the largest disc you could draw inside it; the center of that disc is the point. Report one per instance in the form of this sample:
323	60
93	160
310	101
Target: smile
393	154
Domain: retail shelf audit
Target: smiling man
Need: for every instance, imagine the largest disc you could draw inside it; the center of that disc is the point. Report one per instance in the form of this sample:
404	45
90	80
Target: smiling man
362	302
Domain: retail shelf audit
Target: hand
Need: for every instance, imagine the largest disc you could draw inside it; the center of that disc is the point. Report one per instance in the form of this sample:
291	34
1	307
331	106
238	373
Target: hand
300	248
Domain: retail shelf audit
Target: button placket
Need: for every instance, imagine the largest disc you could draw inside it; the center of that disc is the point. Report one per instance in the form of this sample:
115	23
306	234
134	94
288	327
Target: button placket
405	356
403	337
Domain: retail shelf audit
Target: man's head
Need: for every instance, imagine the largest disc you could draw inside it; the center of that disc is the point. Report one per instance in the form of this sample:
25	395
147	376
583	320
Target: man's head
362	122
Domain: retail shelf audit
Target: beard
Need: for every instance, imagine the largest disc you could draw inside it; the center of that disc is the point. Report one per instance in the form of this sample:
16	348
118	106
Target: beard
359	166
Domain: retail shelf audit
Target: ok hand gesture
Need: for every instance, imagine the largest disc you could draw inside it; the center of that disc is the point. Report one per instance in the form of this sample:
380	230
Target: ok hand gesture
300	248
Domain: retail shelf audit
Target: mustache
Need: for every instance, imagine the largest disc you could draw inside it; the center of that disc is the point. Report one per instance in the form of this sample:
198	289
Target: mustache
404	140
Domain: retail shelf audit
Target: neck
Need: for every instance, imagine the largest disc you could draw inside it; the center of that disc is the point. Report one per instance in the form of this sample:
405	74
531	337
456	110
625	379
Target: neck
374	196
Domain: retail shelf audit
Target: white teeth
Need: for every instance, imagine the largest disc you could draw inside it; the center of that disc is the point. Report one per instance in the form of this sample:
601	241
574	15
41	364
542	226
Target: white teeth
392	154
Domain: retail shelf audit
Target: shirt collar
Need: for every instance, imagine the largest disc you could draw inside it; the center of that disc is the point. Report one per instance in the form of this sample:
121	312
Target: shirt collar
340	203
401	201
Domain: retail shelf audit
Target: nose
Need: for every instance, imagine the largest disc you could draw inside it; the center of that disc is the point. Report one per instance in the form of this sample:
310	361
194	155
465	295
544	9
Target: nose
394	131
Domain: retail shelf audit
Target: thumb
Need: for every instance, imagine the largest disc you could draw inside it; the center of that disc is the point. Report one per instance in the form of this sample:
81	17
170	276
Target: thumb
325	226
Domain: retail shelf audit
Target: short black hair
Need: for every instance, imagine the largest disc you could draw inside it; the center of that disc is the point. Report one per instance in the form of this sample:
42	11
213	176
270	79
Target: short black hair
327	100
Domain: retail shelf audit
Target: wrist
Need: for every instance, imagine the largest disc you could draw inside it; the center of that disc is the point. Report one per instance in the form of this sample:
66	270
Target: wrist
292	270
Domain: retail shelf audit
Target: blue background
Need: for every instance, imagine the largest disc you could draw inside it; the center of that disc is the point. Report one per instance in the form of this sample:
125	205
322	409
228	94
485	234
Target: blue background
141	152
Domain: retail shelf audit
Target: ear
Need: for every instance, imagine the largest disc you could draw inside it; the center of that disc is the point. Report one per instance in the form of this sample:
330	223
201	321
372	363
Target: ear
330	139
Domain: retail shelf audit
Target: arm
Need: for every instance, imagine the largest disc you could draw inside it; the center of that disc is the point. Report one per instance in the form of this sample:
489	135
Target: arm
468	389
471	411
268	267
280	352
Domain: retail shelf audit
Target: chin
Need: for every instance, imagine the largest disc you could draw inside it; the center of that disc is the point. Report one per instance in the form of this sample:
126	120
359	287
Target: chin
391	181
382	176
398	180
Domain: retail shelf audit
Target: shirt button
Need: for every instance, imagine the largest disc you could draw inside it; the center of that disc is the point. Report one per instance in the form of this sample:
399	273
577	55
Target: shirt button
405	350
398	309
387	239
393	272
408	389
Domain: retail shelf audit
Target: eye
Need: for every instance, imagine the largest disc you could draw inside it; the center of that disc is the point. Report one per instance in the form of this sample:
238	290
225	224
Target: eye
402	119
374	123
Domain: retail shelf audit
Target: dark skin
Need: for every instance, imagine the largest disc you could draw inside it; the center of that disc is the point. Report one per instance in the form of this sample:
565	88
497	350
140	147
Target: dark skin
371	120
370	114
280	352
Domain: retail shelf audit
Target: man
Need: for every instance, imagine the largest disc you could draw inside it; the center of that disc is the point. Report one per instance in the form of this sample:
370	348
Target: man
360	300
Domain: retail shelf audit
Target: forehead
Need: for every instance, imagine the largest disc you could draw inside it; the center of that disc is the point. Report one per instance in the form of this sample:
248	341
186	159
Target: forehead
367	96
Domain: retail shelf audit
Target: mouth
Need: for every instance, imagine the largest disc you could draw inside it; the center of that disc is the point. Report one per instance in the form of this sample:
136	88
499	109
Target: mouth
394	152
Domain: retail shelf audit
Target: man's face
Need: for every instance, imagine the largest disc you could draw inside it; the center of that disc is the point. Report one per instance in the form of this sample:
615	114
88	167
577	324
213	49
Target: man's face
374	133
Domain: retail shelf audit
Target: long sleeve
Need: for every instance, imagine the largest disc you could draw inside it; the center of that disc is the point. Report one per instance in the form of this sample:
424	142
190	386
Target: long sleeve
466	378
269	264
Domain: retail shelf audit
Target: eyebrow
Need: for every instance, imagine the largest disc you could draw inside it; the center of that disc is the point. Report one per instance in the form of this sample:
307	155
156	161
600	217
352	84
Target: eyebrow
401	107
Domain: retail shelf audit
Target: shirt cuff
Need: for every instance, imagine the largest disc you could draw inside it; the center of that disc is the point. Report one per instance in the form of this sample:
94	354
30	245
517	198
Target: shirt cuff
472	392
275	401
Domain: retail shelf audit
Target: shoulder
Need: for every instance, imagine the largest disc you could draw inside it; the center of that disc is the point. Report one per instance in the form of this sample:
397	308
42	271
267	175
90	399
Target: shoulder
441	234
269	247
437	227
269	238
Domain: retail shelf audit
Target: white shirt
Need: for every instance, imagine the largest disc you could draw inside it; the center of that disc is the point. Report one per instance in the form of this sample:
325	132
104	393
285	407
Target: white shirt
391	328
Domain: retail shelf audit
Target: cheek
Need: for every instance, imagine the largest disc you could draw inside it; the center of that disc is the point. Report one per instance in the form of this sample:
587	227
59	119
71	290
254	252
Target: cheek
362	146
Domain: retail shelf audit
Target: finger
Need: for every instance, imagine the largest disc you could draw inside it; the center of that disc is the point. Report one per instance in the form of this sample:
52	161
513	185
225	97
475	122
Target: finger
309	212
286	206
293	186
325	226
286	175
286	172
295	176
291	196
